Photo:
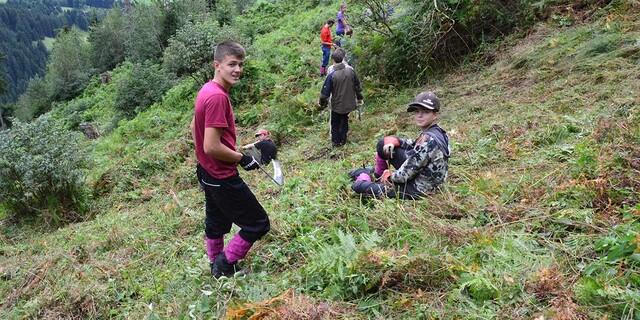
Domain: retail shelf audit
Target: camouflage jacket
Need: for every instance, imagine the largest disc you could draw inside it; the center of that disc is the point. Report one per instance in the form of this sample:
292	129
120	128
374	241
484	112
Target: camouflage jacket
427	160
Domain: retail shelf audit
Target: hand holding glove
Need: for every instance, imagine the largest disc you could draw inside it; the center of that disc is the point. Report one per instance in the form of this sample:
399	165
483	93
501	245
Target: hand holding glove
248	163
390	143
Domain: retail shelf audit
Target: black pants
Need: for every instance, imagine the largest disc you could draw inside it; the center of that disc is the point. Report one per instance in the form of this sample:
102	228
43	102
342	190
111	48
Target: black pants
230	201
339	128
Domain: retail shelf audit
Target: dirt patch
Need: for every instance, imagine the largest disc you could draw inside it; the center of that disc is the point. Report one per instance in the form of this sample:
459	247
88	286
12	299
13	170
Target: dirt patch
564	308
549	284
83	308
287	306
32	281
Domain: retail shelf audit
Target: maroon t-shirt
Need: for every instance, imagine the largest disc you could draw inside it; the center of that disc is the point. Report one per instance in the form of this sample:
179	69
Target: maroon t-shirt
213	110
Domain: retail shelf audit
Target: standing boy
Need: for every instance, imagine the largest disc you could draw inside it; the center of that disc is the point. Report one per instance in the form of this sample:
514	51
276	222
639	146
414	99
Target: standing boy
325	38
227	198
343	86
341	25
342	20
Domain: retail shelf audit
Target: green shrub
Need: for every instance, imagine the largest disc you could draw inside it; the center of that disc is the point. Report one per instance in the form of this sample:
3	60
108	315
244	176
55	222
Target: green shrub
611	282
585	163
107	41
71	114
479	288
41	171
426	35
409	40
144	85
69	67
260	18
35	101
337	270
145	32
190	50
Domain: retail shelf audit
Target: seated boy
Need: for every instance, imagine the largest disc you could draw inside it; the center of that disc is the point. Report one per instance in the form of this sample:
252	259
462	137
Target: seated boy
263	149
421	164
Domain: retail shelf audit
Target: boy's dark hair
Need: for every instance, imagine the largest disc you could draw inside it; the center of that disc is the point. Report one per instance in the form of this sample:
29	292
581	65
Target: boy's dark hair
228	48
330	22
338	55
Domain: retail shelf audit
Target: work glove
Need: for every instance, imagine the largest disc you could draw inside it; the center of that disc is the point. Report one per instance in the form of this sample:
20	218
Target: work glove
390	143
248	163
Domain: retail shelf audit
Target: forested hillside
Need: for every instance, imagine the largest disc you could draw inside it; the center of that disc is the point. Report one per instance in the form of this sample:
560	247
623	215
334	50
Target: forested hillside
101	215
24	26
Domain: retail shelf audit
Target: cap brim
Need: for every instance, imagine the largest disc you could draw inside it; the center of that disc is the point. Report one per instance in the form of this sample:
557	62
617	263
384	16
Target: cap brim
415	105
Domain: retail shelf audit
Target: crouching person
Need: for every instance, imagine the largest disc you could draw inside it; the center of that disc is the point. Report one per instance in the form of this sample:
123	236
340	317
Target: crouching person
421	164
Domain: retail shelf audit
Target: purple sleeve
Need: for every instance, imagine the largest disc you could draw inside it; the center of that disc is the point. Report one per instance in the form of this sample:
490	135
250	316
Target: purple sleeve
340	16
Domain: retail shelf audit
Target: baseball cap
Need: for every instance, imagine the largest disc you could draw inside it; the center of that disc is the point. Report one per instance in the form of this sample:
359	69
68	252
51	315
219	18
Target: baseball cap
427	100
262	132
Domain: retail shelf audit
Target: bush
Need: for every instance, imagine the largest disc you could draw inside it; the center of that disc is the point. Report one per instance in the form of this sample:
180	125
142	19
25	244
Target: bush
190	50
69	67
141	87
337	270
35	101
41	171
107	41
409	43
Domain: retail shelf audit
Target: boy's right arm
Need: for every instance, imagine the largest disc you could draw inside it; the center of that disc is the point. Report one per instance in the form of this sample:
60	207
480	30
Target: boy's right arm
213	146
414	163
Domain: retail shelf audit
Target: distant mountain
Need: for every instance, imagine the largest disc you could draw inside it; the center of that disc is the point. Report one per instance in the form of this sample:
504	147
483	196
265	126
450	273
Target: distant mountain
25	24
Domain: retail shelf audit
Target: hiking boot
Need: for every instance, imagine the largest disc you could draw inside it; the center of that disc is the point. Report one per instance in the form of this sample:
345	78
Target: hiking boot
221	267
353	174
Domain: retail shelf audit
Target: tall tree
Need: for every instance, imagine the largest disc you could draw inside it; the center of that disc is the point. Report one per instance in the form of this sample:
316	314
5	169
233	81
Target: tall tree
34	101
143	31
24	23
3	89
69	68
107	41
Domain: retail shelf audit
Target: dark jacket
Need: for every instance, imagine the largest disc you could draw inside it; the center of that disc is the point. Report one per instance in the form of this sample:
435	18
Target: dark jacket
343	86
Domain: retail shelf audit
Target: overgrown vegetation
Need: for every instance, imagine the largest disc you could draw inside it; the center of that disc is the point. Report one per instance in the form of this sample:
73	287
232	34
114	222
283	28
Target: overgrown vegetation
539	217
41	171
408	41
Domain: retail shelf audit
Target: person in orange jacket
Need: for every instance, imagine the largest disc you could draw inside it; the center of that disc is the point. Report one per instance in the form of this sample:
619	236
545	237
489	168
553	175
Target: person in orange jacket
327	44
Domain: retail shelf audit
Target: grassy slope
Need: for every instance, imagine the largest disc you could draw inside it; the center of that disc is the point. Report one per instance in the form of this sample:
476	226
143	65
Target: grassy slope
544	141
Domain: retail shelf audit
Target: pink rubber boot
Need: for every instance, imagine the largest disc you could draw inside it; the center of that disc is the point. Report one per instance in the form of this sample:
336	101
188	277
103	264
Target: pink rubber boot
237	249
214	247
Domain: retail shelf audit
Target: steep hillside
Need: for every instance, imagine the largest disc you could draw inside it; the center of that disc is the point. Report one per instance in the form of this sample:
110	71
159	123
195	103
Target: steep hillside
539	216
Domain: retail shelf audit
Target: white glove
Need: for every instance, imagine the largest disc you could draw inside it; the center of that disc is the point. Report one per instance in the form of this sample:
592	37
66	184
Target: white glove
388	149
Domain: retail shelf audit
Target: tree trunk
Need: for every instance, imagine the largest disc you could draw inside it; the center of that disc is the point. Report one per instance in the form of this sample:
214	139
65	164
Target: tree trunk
2	124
